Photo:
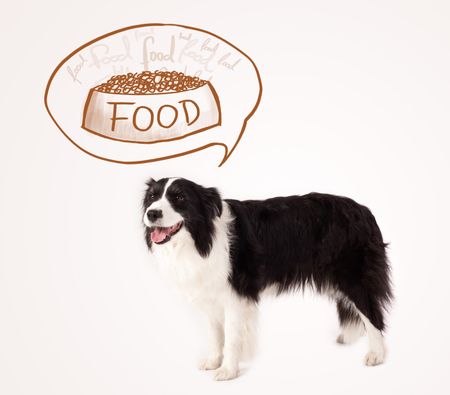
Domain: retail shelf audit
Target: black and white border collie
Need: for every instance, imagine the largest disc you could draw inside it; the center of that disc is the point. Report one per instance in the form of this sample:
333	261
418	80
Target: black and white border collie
223	255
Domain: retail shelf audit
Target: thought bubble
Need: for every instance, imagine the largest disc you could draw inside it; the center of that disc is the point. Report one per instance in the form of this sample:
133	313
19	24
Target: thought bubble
154	92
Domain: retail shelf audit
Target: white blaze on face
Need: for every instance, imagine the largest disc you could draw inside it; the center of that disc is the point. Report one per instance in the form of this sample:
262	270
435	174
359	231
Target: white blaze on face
169	216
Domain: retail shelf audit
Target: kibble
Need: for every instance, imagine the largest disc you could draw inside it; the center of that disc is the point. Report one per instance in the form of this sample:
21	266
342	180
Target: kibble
150	82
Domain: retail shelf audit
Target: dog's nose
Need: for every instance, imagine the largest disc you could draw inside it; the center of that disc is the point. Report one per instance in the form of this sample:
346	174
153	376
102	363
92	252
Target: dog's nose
153	215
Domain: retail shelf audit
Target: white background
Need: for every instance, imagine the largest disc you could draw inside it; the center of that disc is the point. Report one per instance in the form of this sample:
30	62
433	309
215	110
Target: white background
356	102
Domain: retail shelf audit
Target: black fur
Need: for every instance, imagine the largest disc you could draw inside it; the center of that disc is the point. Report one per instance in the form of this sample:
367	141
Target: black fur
317	239
346	313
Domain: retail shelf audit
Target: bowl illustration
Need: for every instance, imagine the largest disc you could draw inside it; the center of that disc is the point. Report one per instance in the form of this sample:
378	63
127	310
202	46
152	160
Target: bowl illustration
150	107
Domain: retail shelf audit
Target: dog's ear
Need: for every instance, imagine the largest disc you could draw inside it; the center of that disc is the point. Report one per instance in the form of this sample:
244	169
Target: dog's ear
202	228
150	182
213	202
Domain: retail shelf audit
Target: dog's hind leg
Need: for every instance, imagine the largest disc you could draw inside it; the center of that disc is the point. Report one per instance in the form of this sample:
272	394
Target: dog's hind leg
370	311
352	328
365	285
377	349
371	298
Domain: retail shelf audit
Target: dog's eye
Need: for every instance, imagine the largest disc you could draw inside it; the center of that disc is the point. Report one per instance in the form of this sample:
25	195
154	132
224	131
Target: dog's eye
179	197
151	195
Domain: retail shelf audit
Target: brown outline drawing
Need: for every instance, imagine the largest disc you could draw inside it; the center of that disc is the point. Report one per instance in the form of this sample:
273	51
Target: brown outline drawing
227	152
218	123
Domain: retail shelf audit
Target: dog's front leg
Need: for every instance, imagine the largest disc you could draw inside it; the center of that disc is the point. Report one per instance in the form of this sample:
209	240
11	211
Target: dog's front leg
233	328
215	321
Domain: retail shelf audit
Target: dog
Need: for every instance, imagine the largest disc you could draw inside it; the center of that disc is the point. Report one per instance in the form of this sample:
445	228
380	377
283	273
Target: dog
224	254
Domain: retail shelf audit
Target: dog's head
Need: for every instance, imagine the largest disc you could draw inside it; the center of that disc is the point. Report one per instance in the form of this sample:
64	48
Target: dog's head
175	206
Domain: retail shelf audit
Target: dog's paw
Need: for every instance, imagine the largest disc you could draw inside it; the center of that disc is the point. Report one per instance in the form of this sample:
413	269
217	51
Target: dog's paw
225	373
374	358
210	363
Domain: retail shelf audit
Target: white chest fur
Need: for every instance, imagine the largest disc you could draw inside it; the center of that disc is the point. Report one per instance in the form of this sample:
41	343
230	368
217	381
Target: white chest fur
199	279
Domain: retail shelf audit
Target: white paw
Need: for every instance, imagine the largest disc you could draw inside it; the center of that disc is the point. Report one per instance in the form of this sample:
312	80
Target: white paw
225	373
374	358
211	363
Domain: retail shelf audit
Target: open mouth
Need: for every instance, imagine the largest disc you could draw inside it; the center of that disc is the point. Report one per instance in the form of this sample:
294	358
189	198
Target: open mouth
161	235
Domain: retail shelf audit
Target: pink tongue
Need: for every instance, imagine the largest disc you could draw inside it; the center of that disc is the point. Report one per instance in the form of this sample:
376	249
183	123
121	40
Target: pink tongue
159	234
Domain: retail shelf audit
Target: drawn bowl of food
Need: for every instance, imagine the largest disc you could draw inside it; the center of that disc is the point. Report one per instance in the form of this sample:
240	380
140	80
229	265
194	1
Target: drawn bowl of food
151	106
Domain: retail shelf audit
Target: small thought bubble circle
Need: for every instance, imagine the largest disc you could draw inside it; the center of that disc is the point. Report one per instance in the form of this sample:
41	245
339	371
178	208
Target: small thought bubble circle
153	92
